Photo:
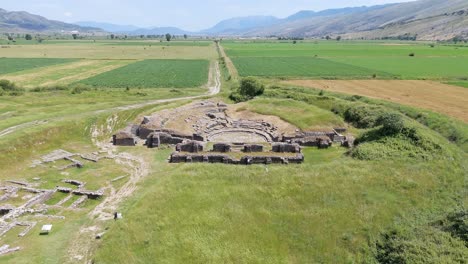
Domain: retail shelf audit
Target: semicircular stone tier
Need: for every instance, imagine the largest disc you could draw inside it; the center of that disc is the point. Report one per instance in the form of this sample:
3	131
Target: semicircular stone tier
208	121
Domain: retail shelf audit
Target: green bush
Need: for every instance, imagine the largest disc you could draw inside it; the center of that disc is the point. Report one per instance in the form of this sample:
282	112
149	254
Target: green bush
391	123
10	88
430	243
50	88
362	116
248	89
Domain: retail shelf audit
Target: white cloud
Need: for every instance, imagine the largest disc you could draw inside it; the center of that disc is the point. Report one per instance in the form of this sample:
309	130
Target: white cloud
68	14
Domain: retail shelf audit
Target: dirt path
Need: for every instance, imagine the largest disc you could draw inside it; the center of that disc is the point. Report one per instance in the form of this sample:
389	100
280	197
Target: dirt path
229	64
438	97
84	242
214	87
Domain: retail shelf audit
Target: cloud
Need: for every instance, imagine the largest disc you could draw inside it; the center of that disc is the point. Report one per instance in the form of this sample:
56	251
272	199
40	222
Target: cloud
68	14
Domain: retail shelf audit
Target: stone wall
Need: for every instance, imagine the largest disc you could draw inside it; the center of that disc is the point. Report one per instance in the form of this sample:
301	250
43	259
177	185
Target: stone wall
221	147
177	157
123	139
253	148
286	148
191	147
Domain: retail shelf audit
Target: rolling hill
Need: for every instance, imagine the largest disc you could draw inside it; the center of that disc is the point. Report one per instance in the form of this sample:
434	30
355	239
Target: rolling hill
24	22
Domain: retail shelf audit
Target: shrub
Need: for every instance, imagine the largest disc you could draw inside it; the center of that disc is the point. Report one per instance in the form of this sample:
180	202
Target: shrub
10	88
79	88
392	123
50	88
412	54
249	88
363	116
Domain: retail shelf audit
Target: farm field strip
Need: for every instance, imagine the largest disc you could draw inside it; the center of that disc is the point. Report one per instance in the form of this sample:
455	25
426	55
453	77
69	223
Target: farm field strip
65	73
155	74
297	67
438	97
11	65
340	49
414	68
85	51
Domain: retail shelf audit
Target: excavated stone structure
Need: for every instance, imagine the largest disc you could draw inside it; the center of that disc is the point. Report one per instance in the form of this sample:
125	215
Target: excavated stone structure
221	147
253	148
286	148
190	147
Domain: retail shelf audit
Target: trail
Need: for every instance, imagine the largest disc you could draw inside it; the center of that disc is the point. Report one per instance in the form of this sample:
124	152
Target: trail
214	87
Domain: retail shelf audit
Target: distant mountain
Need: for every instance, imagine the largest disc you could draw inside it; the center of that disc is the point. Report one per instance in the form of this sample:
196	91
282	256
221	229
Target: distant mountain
426	19
108	26
23	22
332	12
159	31
241	24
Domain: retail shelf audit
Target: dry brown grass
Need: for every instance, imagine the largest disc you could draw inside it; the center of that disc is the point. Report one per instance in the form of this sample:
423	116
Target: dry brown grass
109	52
438	97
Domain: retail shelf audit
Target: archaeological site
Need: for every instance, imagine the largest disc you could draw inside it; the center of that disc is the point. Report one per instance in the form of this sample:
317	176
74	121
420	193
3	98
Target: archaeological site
214	132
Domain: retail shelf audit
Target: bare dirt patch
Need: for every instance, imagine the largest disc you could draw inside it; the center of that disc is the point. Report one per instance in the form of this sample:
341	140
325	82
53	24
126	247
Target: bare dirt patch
438	97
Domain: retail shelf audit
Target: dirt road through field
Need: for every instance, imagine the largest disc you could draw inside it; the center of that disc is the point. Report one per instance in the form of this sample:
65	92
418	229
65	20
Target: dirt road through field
438	97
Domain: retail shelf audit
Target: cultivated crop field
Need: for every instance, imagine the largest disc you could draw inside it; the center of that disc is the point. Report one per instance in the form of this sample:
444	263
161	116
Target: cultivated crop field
355	60
154	74
10	65
301	66
63	74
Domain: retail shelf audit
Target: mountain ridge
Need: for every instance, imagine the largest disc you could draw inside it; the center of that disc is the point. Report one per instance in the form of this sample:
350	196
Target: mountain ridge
422	19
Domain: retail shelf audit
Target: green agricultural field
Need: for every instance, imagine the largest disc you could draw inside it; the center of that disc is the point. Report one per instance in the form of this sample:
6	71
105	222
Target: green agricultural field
357	60
414	68
340	49
155	74
301	67
9	65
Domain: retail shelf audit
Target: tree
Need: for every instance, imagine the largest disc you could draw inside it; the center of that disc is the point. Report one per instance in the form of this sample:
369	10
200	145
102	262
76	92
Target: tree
28	37
168	37
75	36
112	36
338	38
327	38
185	36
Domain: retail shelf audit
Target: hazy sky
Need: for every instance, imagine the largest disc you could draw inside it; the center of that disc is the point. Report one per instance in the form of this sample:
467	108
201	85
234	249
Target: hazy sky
187	14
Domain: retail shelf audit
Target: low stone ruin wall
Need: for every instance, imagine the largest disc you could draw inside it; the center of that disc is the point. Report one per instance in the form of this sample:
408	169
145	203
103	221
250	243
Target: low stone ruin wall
247	160
253	148
221	147
191	147
155	139
286	148
123	139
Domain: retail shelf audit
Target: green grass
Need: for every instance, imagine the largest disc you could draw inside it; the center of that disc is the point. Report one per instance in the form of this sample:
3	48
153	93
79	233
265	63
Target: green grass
326	210
302	115
459	83
301	67
154	74
9	65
